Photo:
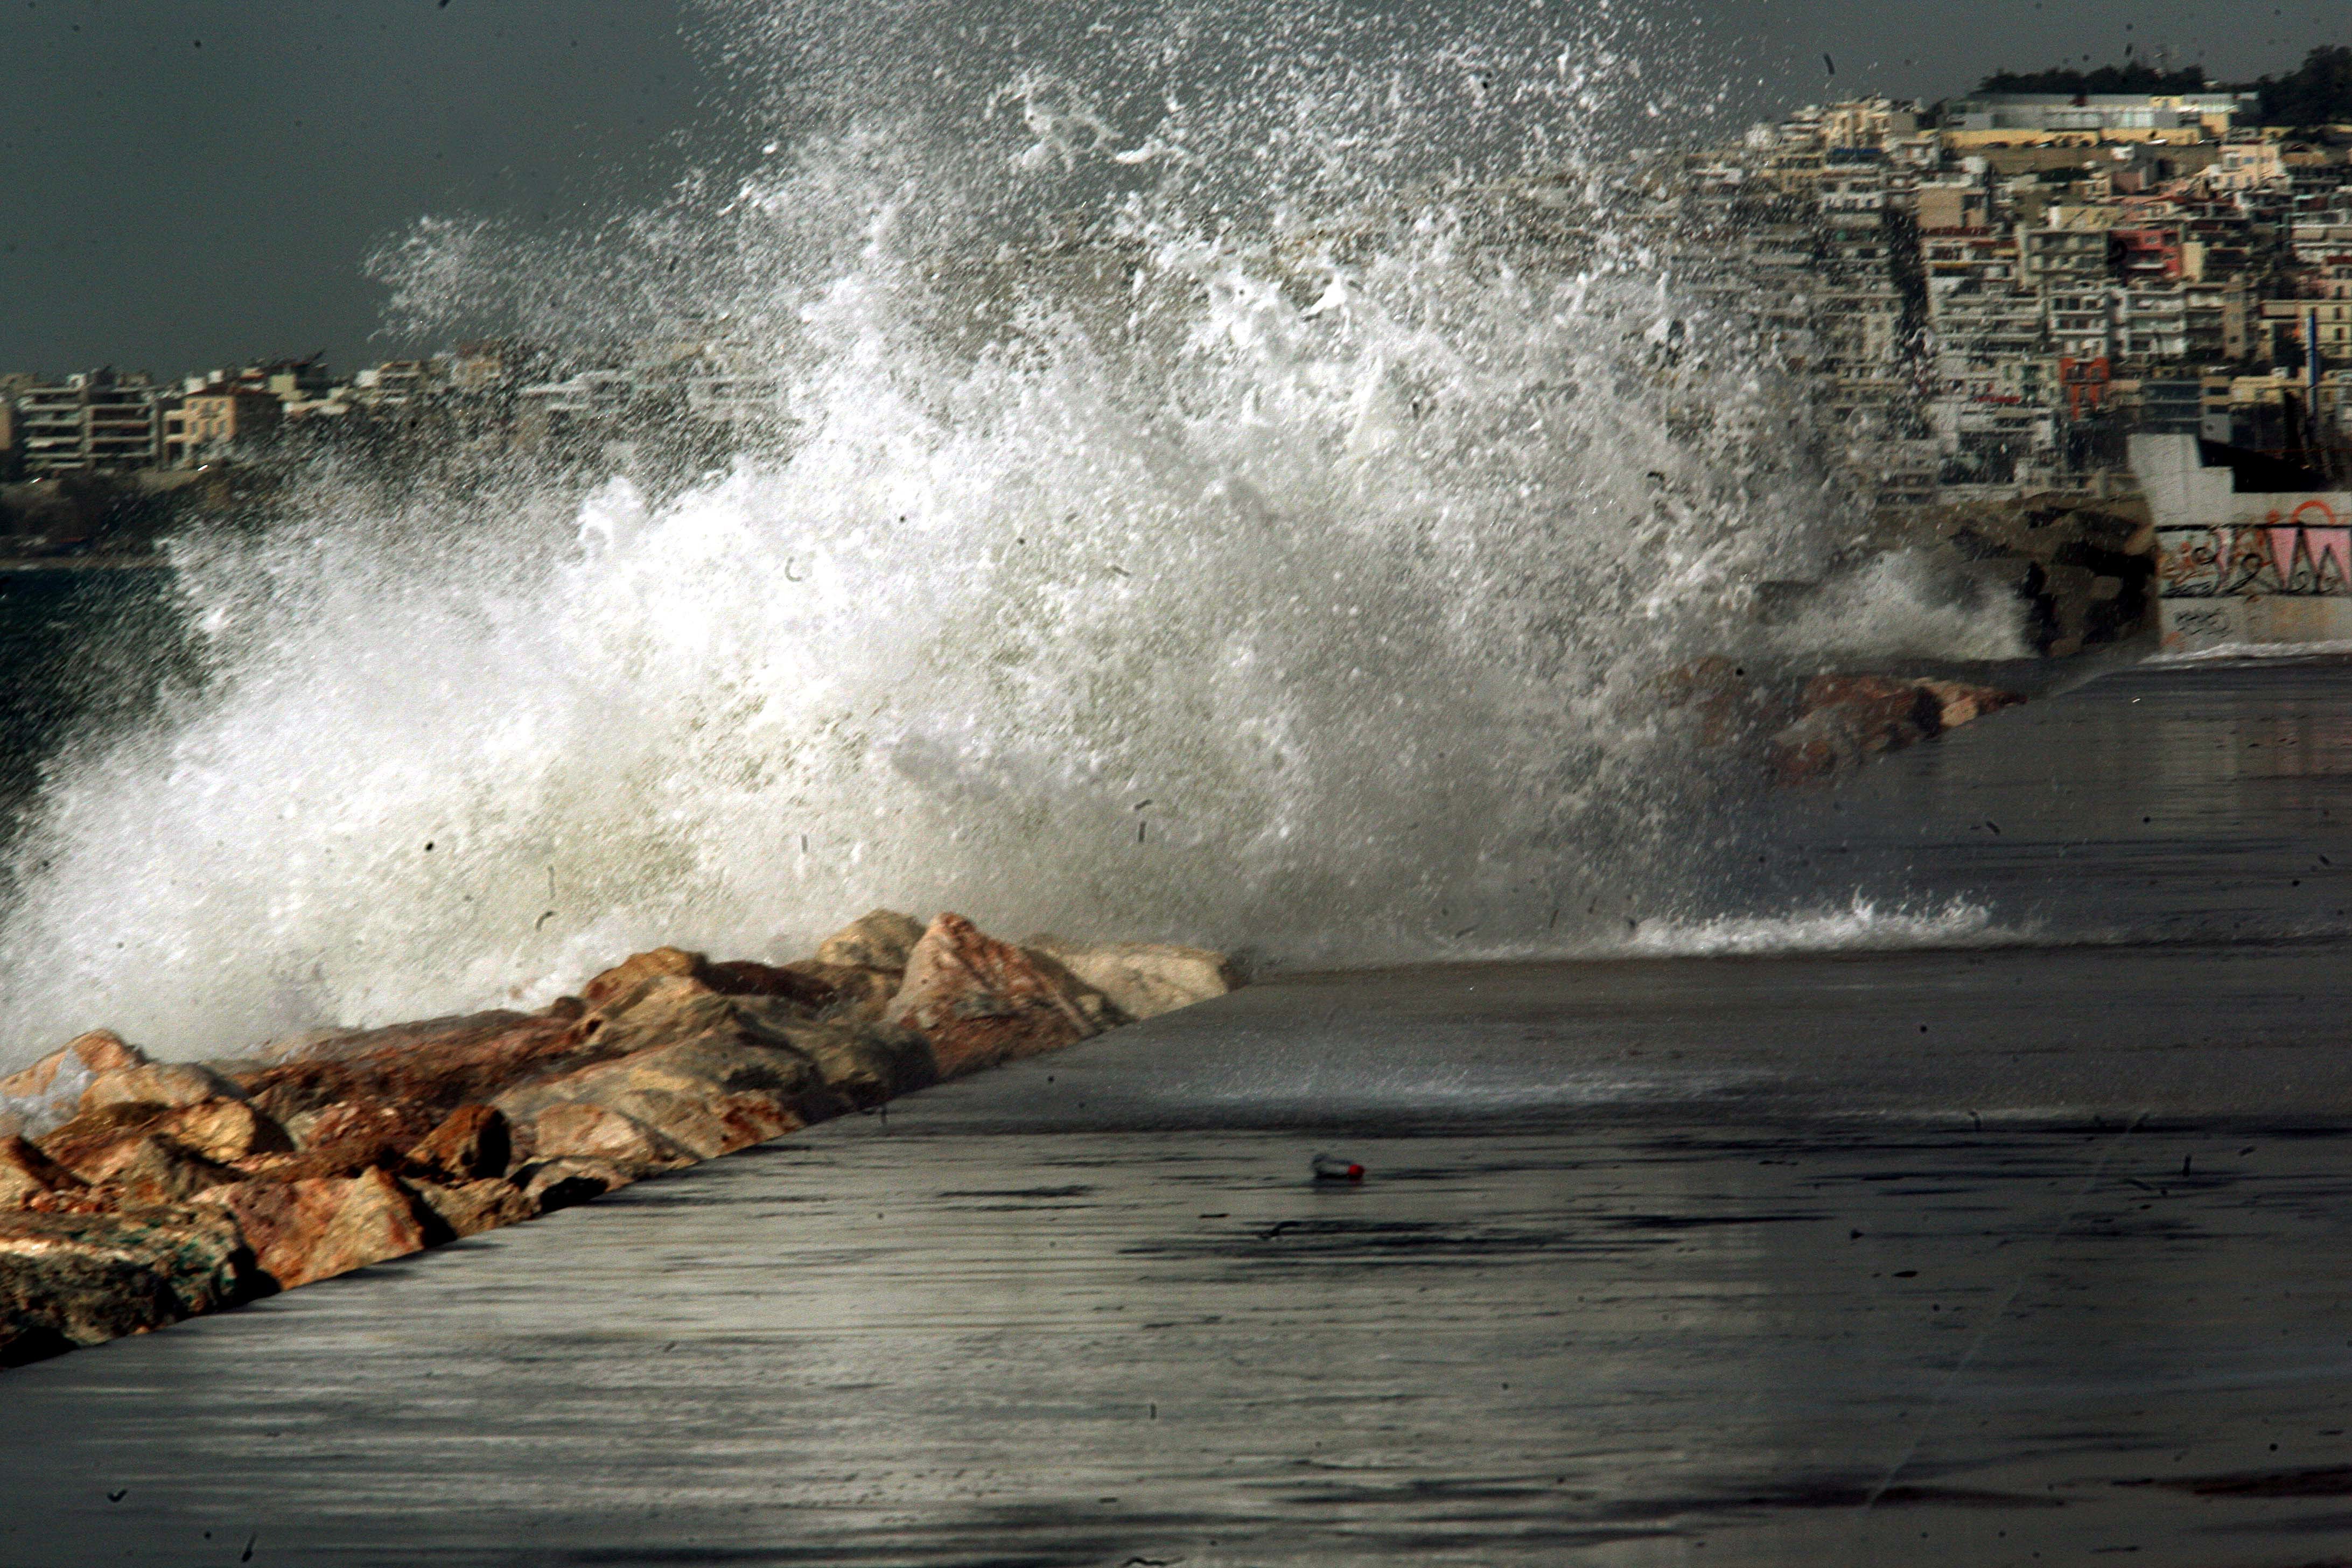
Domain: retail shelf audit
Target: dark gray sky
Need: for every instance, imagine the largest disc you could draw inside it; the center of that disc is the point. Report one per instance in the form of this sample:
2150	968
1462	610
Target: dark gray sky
186	182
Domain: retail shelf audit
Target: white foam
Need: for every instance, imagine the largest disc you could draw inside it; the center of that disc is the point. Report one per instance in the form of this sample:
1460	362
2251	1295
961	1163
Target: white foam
1863	926
2255	653
1302	592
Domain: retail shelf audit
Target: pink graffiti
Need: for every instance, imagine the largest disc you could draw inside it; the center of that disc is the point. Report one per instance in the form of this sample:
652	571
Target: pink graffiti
2325	545
2282	543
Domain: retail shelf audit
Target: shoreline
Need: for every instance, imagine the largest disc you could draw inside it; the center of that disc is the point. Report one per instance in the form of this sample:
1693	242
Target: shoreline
137	1193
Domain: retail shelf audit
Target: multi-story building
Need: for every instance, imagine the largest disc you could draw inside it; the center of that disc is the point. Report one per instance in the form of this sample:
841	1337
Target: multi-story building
1999	119
216	416
95	420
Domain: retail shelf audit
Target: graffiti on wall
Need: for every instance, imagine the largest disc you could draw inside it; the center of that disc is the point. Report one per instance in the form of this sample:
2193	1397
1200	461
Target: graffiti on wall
2305	551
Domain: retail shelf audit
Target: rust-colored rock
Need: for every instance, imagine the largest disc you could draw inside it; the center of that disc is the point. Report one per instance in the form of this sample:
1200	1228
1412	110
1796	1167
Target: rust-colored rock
282	1221
423	1071
472	1142
70	1279
469	1208
93	1142
345	1139
879	938
1140	979
859	995
154	1170
618	987
320	1227
1958	702
99	1051
378	1220
563	1183
1721	696
224	1129
25	1170
173	1188
710	1072
583	1132
616	983
158	1083
980	1001
1845	719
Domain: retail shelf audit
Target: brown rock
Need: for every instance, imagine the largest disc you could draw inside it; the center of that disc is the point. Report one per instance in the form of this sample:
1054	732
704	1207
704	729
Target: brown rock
980	1001
619	982
92	1143
378	1220
583	1132
25	1170
469	1208
866	1064
224	1129
617	988
1844	719
422	1072
1718	693
154	1170
78	1280
158	1083
859	995
880	939
100	1051
471	1143
1141	979
563	1183
320	1227
282	1221
712	1073
345	1139
1958	703
805	991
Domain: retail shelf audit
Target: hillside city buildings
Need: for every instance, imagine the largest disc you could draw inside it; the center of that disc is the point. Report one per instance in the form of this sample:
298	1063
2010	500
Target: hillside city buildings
1985	302
1996	301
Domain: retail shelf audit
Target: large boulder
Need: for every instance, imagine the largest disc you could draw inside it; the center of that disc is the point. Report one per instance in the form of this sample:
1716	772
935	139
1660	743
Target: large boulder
99	1051
553	1184
1844	719
469	1208
320	1227
879	938
93	1142
158	1083
589	1132
79	1279
156	1170
980	1001
26	1173
859	995
712	1073
423	1071
618	987
1141	979
472	1142
224	1130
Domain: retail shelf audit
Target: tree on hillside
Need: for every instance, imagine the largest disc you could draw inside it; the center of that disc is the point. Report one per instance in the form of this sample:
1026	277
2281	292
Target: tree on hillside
2318	93
2133	77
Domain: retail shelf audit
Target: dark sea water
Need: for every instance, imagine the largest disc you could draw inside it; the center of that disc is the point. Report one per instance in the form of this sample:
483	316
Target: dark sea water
2026	1247
88	645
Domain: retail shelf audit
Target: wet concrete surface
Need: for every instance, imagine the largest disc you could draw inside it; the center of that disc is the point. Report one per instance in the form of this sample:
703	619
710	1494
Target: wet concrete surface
2027	1254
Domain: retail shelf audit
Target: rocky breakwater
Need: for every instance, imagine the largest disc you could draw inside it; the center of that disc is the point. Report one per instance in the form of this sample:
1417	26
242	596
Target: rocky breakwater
1826	725
134	1192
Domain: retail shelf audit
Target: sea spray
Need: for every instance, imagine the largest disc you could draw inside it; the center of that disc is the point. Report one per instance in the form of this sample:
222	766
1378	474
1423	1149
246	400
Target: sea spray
1284	570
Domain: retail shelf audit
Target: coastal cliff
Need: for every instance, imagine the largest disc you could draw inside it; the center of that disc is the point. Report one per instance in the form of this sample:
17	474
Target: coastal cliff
135	1192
